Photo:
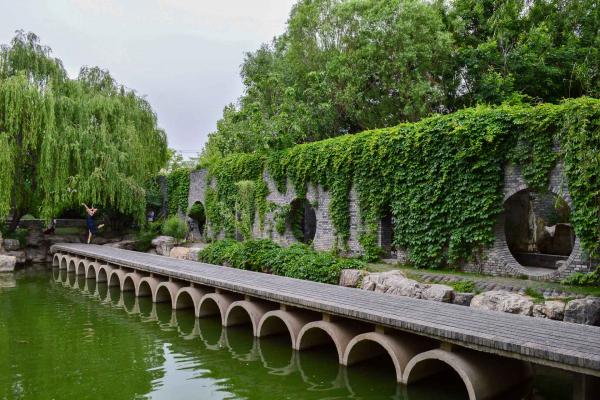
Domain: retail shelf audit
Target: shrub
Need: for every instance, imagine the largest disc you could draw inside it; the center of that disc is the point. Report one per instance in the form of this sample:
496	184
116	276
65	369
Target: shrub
297	261
196	211
145	236
581	279
466	286
176	227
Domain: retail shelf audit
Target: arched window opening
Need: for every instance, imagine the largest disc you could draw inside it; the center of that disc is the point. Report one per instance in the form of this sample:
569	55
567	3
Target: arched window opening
302	220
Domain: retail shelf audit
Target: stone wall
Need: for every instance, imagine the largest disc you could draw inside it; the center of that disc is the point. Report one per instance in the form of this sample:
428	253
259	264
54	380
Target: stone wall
496	260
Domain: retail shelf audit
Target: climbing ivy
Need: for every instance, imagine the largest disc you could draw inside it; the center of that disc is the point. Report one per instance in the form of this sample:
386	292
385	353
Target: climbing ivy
440	177
178	187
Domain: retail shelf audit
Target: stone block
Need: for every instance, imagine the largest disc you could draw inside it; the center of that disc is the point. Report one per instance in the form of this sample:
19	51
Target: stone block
351	277
463	299
7	263
583	311
11	245
501	300
435	292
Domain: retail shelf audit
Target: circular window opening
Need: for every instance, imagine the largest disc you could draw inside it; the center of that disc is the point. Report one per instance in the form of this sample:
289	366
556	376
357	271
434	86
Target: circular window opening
302	220
537	229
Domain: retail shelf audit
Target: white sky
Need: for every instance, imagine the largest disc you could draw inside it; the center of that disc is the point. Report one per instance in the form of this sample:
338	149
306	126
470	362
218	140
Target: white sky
183	55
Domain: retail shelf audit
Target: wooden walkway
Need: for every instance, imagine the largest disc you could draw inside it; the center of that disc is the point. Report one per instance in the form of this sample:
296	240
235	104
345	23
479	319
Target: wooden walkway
563	345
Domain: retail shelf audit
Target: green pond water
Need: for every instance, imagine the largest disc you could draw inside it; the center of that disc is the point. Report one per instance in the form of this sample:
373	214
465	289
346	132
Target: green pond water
64	337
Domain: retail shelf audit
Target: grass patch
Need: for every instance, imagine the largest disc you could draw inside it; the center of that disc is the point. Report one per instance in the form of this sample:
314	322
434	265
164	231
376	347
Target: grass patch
466	286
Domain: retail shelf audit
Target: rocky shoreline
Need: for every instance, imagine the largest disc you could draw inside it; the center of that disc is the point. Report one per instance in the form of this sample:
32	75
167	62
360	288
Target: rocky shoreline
583	310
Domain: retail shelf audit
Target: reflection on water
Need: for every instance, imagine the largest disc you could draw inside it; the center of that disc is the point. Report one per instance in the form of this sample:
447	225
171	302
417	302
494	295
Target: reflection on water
104	343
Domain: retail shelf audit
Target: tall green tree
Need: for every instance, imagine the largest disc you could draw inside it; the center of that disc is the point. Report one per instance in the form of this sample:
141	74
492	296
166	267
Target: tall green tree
66	141
343	66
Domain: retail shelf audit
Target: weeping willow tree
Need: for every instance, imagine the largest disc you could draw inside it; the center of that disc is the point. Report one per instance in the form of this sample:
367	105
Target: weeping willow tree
67	141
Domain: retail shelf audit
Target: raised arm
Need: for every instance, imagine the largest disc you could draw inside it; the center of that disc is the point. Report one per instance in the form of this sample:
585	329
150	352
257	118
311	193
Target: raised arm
87	209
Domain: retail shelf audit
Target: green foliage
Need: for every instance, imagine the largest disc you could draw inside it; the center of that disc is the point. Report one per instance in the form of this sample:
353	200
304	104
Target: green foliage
67	141
196	211
20	234
281	217
175	227
297	261
465	286
178	186
144	238
581	279
440	177
348	66
535	294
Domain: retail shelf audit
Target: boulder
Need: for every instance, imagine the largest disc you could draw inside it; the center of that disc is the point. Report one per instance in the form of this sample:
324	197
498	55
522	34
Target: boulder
7	263
351	277
11	245
369	282
20	256
402	286
552	309
194	253
37	254
501	300
463	299
163	245
442	293
157	241
151	251
180	253
583	311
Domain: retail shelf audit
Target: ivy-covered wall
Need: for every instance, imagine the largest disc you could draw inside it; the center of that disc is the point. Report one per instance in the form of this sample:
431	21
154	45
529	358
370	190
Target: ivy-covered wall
442	179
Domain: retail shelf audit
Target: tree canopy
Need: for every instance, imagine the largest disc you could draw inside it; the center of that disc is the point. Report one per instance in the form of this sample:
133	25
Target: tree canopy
65	141
343	66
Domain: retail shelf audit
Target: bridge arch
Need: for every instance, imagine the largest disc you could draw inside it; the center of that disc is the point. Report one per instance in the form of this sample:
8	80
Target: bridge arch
81	267
91	270
166	292
146	287
318	333
103	273
64	260
56	258
483	375
400	349
189	297
215	304
283	321
243	311
71	264
116	278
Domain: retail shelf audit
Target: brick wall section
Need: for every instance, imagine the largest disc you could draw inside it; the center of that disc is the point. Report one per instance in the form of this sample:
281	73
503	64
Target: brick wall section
496	260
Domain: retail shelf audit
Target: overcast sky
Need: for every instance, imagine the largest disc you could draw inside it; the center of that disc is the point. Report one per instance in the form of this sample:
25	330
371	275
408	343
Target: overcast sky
183	55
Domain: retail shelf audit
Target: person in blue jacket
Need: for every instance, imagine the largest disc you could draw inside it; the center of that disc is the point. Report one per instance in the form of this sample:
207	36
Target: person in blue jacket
91	223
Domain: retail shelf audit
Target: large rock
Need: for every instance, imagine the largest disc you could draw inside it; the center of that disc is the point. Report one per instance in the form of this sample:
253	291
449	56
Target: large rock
163	245
157	241
20	256
37	254
180	253
404	287
583	311
351	277
441	293
501	300
371	281
463	299
552	309
7	263
11	245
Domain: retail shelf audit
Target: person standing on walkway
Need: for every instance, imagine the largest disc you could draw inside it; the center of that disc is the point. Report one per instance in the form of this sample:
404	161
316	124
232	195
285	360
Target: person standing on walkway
91	223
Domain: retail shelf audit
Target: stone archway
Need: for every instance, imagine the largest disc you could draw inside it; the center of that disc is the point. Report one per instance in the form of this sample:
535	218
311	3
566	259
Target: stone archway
302	220
197	216
537	229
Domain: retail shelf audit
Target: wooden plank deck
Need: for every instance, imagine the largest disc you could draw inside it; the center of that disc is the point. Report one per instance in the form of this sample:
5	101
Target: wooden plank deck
563	345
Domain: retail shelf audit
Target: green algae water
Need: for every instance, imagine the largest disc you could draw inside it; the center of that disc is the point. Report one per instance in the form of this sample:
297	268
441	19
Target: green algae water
64	337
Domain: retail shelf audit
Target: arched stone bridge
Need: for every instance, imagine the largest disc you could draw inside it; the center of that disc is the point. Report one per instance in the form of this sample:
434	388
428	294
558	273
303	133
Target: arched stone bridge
490	351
